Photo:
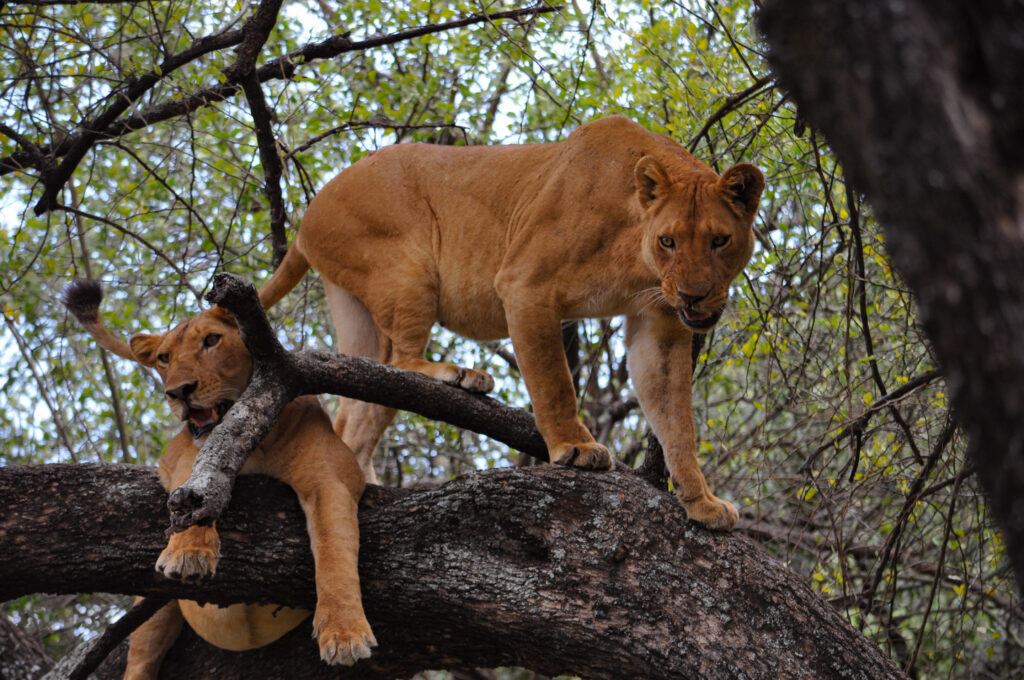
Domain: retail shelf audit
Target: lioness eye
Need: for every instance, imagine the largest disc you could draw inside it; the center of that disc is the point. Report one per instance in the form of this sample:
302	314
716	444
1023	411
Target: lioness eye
667	242
163	358
210	340
719	241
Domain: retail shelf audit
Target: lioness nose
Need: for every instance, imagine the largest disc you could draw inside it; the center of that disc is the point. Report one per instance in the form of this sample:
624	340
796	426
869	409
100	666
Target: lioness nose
691	300
182	391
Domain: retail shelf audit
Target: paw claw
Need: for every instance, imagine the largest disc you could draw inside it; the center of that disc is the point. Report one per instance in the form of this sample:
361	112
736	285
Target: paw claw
346	648
587	456
473	380
343	645
712	512
190	556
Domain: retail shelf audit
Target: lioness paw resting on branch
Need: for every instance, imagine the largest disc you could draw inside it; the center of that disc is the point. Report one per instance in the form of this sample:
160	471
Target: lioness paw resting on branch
508	241
205	367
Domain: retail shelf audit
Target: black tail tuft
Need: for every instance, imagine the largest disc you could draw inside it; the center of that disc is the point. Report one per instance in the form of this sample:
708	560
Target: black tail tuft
82	297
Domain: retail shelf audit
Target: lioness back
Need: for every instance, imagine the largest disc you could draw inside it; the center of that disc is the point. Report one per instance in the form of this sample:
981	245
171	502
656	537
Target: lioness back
453	216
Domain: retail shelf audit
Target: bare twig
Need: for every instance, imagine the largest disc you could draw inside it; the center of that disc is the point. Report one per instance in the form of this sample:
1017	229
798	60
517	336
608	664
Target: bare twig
58	420
913	496
858	425
108	370
731	103
120	100
282	68
138	237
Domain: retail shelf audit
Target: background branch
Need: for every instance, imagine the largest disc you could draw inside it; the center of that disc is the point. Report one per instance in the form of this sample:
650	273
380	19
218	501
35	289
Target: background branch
77	143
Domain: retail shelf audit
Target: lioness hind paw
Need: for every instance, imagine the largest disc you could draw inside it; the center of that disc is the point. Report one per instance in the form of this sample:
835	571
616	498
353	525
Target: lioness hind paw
346	648
712	512
473	380
588	456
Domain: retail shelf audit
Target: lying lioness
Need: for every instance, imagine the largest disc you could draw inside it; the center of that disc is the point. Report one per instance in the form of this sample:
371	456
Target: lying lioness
509	241
205	367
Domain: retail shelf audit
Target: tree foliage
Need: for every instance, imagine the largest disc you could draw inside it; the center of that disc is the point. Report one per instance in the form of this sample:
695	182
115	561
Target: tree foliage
818	407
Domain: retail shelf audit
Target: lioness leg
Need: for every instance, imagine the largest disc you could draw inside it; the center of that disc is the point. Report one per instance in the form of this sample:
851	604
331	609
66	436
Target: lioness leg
328	482
536	335
397	333
149	643
358	423
192	554
412	320
658	354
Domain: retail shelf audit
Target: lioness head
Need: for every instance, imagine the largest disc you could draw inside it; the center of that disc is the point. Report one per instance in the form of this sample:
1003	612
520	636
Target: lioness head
698	233
204	365
202	361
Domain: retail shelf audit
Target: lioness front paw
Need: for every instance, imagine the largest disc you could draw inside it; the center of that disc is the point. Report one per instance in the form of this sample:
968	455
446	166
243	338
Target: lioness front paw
712	512
587	455
341	644
190	555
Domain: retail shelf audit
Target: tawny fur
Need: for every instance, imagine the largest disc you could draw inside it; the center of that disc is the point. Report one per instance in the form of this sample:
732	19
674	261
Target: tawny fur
203	363
507	241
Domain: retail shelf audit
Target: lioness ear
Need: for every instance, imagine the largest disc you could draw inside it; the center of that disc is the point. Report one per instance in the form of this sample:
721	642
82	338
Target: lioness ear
223	315
651	181
742	185
144	348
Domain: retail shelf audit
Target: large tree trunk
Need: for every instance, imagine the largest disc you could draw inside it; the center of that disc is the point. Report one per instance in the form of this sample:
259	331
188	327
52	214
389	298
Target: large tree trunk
561	571
924	105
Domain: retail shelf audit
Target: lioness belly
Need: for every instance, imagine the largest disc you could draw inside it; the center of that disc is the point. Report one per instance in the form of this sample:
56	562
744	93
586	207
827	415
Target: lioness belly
239	627
475	313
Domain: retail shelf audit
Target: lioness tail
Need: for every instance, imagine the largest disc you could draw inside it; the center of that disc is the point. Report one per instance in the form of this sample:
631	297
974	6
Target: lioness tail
288	274
82	297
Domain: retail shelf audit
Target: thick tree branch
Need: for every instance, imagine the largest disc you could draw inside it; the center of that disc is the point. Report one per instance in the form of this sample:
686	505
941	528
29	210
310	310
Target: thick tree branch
559	570
270	159
254	35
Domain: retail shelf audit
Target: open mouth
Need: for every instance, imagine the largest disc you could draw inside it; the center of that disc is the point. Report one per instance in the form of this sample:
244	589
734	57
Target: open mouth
202	420
698	320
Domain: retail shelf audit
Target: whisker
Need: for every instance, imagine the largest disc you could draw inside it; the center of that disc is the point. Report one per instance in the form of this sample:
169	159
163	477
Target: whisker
649	297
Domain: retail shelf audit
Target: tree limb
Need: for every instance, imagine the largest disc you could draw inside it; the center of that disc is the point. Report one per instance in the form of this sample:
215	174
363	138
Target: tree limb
559	570
256	30
76	146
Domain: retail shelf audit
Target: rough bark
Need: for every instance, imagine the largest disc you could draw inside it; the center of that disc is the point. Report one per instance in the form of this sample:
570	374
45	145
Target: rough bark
923	104
561	571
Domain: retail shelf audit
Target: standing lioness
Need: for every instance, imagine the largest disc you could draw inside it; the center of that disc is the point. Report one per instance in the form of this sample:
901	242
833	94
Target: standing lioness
507	241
